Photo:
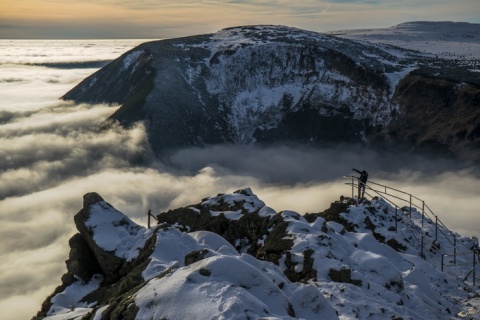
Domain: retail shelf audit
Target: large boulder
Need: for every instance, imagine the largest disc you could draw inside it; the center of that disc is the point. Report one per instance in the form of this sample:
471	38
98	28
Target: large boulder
114	239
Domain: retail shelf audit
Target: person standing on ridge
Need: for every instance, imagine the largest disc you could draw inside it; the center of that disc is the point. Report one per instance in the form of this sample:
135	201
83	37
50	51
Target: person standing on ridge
362	181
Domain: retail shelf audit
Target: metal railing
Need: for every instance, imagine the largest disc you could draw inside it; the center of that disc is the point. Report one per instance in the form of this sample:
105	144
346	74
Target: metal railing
415	204
149	214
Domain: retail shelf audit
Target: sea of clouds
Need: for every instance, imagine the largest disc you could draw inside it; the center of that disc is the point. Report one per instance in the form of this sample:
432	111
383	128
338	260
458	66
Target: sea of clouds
52	152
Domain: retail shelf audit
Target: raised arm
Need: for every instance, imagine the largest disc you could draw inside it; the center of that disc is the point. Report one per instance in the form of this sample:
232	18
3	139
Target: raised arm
357	170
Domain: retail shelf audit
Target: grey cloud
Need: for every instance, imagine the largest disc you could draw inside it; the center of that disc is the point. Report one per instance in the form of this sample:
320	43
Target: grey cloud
43	148
300	164
6	116
308	180
10	80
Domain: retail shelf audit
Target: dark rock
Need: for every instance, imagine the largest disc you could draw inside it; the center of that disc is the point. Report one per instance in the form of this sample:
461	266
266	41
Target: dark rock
90	199
195	256
333	214
369	224
397	246
109	263
342	275
395	286
81	264
307	273
275	244
204	272
81	261
380	237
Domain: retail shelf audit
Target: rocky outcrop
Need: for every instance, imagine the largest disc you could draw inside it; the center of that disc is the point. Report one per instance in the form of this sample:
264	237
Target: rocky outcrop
97	250
236	257
237	218
112	237
108	262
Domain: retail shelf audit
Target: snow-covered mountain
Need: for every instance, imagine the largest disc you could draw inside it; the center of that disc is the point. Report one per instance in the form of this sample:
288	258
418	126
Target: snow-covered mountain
232	257
262	84
446	39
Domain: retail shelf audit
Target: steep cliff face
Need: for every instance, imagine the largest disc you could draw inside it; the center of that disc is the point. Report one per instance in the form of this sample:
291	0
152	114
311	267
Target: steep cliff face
439	115
270	84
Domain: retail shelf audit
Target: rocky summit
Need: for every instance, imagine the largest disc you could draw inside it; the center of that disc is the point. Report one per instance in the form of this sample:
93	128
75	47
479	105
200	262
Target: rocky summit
277	84
232	257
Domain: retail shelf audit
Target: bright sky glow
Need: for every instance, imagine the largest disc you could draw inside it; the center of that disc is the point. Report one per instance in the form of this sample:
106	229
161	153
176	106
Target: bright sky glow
67	19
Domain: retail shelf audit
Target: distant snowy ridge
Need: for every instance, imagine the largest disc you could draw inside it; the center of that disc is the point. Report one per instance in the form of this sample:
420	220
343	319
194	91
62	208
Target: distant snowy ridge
445	39
200	262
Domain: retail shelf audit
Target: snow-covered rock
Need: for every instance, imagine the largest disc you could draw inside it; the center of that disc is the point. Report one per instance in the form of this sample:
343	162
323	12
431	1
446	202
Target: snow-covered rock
114	239
353	260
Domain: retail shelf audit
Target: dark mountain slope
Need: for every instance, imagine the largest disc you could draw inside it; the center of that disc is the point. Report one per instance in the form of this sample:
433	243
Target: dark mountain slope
277	84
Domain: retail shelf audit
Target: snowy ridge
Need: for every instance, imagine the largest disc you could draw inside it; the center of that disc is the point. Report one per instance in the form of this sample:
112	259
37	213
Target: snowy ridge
448	40
348	262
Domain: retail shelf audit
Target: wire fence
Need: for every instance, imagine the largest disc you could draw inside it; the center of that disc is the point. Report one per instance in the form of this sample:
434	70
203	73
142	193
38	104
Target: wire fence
420	232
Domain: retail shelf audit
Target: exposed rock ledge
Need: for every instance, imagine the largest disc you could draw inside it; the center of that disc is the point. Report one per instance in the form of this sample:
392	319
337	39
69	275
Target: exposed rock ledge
281	265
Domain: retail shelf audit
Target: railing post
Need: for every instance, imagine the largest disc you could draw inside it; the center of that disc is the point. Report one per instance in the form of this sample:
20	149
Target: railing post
396	220
421	246
442	261
352	187
410	206
423	211
148	214
474	252
454	250
436	227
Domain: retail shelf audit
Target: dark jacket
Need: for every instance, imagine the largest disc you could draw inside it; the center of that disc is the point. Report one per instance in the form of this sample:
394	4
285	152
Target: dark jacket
363	176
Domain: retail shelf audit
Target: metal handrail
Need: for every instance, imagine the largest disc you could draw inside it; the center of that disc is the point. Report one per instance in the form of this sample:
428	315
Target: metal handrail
149	214
397	190
394	196
424	206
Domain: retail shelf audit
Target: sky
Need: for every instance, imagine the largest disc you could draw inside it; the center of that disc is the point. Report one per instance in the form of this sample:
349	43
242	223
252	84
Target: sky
154	19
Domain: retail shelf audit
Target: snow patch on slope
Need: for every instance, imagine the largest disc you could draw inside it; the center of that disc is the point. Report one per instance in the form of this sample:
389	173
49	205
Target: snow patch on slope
170	250
227	287
67	305
131	58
